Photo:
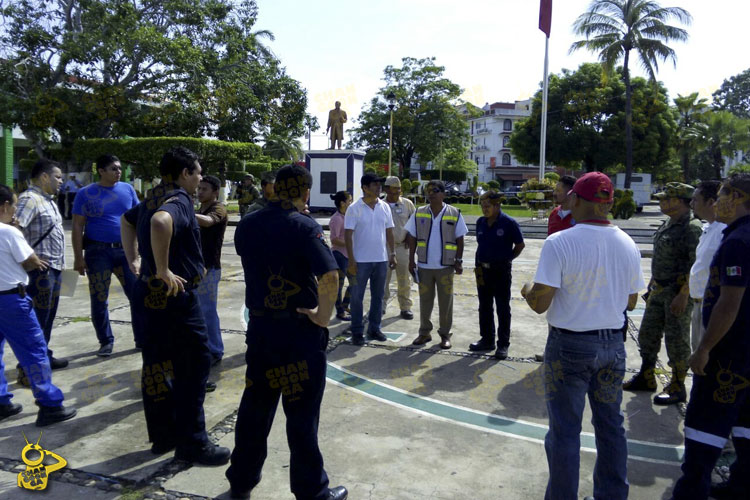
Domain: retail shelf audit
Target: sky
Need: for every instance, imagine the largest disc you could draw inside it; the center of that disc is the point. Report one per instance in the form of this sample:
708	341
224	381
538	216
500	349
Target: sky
338	49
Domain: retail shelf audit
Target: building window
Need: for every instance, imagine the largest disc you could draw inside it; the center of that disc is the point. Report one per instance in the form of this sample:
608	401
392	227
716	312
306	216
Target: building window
506	141
506	159
507	124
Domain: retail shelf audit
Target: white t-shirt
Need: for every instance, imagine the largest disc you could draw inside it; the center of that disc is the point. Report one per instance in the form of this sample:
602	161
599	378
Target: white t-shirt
707	245
369	225
13	251
595	269
435	245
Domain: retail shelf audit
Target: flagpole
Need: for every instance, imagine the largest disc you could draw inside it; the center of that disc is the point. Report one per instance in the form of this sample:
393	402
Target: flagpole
543	142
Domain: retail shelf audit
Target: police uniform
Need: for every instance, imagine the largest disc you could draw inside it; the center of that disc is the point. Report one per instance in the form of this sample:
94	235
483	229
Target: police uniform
176	358
674	253
720	400
493	274
286	352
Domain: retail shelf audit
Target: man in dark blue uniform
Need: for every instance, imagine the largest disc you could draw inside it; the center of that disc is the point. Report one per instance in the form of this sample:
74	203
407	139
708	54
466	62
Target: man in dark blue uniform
286	339
720	398
176	358
499	241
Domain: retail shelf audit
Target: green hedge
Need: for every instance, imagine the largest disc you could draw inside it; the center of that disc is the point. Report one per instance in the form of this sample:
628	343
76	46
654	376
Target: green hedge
144	153
257	167
448	175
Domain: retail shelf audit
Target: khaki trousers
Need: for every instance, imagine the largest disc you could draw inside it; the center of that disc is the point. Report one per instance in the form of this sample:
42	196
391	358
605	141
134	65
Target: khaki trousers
440	281
403	279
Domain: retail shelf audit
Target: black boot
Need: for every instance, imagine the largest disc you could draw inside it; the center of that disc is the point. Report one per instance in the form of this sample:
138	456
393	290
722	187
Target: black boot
675	392
644	380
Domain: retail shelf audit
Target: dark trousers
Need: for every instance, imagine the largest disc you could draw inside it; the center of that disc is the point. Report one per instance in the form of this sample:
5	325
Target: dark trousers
343	297
176	362
285	358
101	262
44	290
71	199
719	404
493	288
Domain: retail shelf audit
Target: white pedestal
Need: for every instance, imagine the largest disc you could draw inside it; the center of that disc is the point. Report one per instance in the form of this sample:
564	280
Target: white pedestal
334	170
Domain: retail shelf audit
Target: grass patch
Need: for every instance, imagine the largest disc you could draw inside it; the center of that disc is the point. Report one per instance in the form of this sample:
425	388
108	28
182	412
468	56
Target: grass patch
80	319
510	210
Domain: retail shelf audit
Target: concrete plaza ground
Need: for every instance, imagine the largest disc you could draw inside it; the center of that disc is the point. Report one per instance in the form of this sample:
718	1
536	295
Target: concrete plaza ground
397	422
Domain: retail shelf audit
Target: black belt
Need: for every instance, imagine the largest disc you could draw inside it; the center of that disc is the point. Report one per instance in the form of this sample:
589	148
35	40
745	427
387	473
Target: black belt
589	332
493	265
281	314
88	242
20	290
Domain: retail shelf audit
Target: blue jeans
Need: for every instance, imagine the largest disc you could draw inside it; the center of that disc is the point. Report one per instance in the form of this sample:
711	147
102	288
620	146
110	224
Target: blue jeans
101	262
374	272
44	290
342	302
21	329
208	296
577	365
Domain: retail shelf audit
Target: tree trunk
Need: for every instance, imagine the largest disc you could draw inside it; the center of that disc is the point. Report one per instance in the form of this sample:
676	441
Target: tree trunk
628	121
686	166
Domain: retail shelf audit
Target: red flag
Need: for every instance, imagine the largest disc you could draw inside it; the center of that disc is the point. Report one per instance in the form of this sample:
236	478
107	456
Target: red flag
545	16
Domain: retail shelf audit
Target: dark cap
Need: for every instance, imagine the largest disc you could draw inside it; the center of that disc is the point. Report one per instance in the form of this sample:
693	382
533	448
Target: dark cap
595	187
369	178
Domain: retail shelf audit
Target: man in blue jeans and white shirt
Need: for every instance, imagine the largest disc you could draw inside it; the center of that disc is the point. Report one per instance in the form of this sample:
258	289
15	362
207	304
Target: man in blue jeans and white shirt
368	232
586	277
97	247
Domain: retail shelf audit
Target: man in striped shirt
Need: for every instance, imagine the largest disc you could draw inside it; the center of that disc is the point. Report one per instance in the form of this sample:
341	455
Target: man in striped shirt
39	219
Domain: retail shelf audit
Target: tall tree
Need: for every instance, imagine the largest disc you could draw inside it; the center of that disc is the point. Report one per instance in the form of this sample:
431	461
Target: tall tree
724	135
614	28
111	68
426	119
734	95
586	122
282	147
691	111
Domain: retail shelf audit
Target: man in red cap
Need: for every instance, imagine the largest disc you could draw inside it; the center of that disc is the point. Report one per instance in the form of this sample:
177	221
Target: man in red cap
586	277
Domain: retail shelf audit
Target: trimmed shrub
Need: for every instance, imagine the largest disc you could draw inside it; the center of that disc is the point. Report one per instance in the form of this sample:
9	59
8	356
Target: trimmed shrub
553	176
448	175
513	201
144	153
405	186
493	184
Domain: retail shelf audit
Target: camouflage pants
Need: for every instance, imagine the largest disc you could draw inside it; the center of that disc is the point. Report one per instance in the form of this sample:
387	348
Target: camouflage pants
676	329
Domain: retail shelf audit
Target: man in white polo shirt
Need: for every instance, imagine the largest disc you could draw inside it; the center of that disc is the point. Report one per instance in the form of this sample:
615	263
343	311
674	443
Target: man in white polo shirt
586	278
368	233
436	237
704	207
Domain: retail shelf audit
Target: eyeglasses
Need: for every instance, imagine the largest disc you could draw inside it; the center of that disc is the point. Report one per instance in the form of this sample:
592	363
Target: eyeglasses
436	190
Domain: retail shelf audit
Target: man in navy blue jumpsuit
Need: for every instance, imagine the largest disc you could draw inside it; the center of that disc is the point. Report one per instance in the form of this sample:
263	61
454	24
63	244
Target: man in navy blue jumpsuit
286	339
176	359
720	398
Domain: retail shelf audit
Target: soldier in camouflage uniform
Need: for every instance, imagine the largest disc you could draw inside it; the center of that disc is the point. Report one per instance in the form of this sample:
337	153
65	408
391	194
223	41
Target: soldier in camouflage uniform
668	307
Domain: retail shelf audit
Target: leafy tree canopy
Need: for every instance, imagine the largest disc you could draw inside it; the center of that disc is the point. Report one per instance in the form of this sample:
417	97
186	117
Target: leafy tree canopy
734	95
586	122
426	119
72	69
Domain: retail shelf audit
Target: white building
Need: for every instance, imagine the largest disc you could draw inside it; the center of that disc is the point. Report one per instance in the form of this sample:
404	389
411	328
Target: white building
490	135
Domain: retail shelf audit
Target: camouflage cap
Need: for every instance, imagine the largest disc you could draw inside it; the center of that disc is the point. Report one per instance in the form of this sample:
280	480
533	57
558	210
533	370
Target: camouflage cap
676	190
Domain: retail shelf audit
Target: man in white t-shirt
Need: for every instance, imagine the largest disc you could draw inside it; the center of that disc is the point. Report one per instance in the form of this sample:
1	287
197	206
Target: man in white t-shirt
704	207
436	237
368	233
20	326
587	277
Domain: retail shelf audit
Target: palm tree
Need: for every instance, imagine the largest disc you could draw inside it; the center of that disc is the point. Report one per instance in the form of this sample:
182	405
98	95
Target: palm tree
615	27
691	116
282	147
724	135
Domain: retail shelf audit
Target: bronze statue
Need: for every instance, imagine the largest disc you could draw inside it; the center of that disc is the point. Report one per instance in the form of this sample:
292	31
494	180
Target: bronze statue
336	120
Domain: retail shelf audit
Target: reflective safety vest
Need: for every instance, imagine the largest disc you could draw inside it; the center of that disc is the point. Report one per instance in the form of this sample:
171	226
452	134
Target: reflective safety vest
423	220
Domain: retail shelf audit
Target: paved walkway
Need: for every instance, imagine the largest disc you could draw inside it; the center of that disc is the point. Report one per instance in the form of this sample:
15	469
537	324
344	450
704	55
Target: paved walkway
397	422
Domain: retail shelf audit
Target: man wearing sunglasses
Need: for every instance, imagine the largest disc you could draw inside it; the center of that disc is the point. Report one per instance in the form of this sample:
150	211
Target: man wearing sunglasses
436	237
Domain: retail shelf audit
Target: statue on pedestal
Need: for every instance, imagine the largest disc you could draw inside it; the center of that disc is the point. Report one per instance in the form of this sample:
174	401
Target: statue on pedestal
336	120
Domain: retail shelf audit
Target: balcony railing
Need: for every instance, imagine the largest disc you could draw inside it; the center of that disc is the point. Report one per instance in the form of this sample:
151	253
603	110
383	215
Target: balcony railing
481	147
480	131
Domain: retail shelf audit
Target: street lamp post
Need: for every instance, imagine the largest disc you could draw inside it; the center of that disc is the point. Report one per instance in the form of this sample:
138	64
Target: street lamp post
391	104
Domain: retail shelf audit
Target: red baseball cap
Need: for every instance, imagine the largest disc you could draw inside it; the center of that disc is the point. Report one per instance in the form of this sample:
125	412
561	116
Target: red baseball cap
595	187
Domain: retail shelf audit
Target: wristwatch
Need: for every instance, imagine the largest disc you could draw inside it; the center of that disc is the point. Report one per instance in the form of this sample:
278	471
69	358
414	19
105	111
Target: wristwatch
459	261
